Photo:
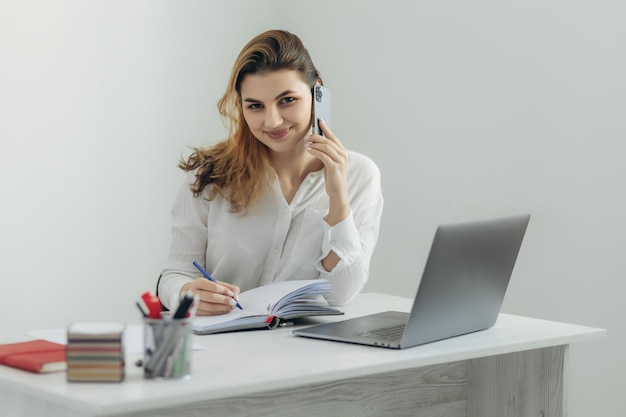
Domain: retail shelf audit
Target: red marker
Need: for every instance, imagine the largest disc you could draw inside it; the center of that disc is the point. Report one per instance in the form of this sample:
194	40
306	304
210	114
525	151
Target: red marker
153	304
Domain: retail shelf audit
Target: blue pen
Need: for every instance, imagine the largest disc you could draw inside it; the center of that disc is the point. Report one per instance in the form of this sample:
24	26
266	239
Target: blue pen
210	278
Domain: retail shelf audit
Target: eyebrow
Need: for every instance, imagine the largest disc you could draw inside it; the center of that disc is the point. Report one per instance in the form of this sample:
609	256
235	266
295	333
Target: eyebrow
281	95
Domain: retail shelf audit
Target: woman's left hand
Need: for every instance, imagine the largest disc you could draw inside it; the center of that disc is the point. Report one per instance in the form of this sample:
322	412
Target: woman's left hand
334	156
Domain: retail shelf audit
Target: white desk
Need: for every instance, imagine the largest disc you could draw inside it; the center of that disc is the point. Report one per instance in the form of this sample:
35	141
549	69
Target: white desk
515	368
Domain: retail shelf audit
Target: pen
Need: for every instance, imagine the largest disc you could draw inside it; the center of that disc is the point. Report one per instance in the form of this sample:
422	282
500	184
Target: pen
210	278
142	309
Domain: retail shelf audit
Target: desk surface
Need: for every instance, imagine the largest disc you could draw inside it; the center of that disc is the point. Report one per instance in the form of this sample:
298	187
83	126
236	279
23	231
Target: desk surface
239	364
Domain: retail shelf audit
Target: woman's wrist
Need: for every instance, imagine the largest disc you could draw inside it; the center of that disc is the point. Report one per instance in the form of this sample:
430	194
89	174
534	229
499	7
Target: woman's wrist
338	210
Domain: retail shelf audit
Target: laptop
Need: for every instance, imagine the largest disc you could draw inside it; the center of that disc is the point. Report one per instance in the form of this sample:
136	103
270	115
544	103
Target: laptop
461	291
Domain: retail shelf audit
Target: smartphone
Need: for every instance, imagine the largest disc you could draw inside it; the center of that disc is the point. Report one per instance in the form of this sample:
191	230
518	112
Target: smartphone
321	107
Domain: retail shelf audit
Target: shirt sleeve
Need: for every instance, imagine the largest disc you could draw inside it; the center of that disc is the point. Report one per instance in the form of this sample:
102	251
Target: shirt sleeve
188	243
343	239
354	238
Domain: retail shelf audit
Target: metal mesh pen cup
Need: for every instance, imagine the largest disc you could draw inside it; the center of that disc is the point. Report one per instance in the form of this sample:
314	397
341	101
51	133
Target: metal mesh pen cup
167	348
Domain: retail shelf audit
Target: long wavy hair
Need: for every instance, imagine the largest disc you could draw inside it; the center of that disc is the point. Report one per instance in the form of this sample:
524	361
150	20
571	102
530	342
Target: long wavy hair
238	168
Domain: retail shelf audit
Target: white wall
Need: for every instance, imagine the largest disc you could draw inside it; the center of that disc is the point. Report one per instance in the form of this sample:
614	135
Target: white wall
471	109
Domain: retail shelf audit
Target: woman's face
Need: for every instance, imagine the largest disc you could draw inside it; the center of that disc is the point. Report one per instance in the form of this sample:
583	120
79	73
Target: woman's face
277	108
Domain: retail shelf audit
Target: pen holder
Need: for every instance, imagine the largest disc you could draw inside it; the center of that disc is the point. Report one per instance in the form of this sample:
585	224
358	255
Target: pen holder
167	348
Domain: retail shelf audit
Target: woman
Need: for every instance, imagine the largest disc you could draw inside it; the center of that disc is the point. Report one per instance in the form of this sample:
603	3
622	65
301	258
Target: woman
272	202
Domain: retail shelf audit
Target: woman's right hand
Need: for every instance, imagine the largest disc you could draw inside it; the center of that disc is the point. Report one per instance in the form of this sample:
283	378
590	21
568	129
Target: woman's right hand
215	297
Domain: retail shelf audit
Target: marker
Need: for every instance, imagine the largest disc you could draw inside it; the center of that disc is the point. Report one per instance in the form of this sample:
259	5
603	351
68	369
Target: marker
153	304
210	278
183	307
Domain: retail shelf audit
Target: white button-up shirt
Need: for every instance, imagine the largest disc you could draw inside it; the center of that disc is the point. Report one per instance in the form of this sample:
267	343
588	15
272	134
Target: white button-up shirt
276	241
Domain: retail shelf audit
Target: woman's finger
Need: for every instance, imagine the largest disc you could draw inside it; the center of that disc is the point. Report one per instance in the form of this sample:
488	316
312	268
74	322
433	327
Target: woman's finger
215	297
327	132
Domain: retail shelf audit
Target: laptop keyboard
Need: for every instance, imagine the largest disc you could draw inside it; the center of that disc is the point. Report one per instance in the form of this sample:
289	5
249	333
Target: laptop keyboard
385	333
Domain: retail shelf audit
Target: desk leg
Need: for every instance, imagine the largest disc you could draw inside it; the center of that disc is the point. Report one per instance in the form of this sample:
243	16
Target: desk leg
521	384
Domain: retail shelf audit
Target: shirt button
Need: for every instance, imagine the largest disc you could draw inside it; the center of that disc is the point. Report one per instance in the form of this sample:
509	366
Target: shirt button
332	242
276	251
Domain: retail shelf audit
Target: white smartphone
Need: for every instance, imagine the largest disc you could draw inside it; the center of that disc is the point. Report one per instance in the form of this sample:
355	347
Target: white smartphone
321	107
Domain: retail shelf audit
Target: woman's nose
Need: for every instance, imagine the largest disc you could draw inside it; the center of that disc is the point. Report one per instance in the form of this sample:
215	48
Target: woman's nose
273	118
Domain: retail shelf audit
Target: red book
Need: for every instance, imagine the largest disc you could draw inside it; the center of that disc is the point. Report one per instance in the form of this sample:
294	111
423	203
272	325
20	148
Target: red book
35	356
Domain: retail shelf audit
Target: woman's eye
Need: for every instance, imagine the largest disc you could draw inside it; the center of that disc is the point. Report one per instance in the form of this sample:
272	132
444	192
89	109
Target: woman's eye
255	106
288	100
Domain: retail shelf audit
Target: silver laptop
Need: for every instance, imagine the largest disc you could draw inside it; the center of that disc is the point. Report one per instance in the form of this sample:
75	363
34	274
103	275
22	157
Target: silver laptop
462	288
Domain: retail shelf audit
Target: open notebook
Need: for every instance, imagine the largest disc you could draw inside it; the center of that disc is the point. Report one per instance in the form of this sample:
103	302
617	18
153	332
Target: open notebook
265	307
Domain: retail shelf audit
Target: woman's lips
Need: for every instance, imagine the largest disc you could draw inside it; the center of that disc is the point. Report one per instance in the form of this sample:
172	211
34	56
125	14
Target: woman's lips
277	134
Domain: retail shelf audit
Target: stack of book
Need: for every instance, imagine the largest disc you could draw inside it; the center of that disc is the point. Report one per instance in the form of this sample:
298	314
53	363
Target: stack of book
95	352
